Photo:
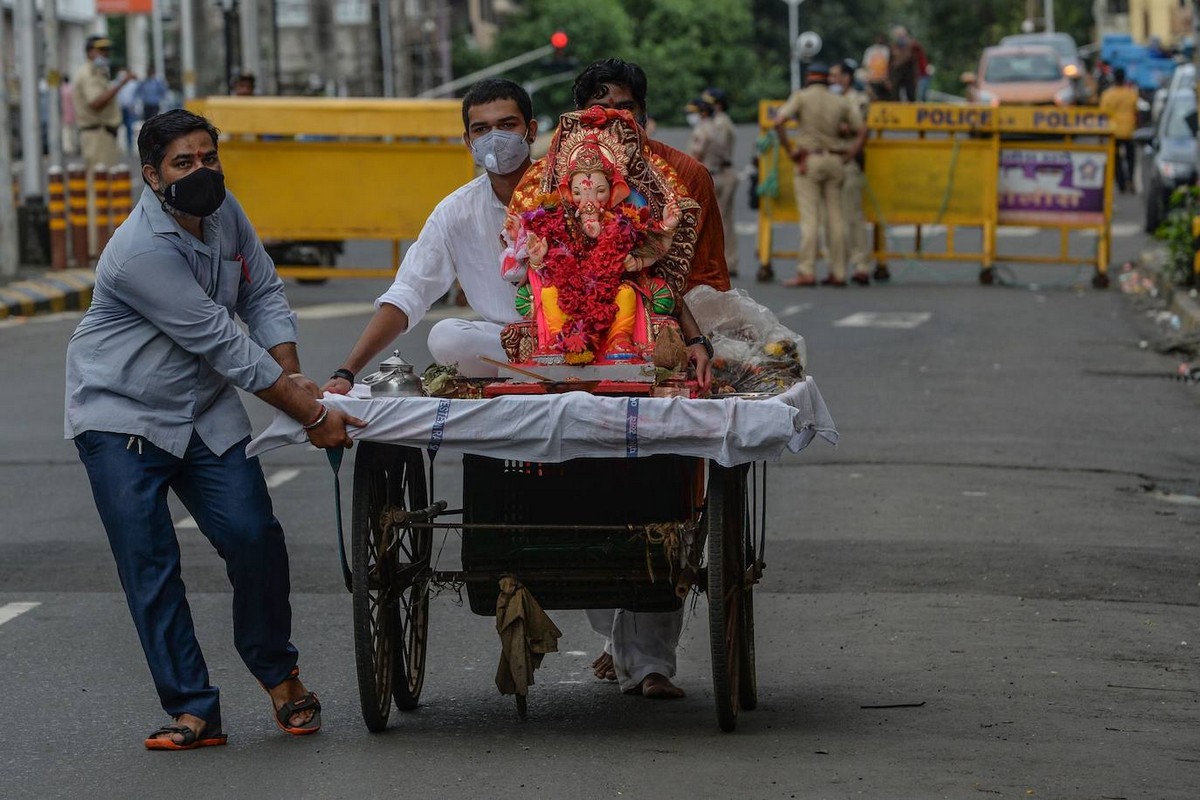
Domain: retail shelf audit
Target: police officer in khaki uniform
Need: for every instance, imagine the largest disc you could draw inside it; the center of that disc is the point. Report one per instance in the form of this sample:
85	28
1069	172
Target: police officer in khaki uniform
820	155
98	115
712	145
841	81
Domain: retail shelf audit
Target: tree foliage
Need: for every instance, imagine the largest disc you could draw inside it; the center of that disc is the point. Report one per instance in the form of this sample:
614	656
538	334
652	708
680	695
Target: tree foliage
743	47
684	48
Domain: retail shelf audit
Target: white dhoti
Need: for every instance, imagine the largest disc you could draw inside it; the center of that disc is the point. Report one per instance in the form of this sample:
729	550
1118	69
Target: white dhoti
461	341
640	642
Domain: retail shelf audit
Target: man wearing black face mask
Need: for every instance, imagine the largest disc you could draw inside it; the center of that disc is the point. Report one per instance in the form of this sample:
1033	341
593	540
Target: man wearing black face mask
151	403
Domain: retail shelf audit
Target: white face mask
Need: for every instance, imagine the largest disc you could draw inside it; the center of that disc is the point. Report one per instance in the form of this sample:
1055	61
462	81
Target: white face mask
101	61
693	119
837	88
500	152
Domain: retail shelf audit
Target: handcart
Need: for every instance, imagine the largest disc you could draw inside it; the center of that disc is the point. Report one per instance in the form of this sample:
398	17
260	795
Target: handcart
662	525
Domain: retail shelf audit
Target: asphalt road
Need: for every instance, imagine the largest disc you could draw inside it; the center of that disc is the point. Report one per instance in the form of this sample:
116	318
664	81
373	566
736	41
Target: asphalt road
1003	547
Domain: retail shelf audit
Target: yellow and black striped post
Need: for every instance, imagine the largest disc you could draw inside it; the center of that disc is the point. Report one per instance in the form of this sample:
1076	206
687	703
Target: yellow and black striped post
103	210
121	195
57	206
77	201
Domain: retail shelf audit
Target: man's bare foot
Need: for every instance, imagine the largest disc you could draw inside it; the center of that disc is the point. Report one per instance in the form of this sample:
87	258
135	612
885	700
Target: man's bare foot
603	668
191	721
291	691
659	687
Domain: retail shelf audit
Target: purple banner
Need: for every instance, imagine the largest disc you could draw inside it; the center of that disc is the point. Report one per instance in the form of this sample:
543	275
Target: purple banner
1051	186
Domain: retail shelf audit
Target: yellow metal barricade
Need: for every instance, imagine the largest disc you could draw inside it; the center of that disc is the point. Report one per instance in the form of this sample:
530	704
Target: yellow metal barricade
932	164
1056	168
332	169
967	166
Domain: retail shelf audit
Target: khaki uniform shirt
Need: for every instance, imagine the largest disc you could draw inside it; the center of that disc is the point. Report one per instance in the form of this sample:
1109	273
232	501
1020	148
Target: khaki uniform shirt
859	100
89	83
819	114
712	142
723	140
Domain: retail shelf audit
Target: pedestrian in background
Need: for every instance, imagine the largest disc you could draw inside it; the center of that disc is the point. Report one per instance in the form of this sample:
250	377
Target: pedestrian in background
1119	101
243	85
902	67
151	93
99	117
712	145
152	379
858	254
70	136
127	99
820	155
876	59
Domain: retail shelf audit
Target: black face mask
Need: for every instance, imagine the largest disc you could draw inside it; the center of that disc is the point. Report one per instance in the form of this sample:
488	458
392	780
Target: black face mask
199	193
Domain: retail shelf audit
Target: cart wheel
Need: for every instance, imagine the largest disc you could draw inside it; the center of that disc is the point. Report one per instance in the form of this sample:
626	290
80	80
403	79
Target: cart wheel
987	276
1100	280
391	605
723	520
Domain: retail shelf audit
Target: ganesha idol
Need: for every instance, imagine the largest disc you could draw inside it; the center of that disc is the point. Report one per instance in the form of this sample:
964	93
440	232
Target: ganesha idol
599	237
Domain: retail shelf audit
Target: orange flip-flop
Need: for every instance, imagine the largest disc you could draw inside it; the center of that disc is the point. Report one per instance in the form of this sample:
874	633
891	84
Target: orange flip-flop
290	708
209	736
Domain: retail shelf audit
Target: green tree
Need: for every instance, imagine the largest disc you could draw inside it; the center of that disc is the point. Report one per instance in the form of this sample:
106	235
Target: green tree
595	29
685	49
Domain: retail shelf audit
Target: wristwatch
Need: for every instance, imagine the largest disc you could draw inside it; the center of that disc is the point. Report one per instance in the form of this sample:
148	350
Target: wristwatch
708	348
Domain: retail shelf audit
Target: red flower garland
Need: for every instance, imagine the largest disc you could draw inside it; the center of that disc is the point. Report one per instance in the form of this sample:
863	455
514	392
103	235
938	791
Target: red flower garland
587	272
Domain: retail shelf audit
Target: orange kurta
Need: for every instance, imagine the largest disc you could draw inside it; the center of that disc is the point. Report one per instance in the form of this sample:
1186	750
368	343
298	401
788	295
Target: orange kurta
708	265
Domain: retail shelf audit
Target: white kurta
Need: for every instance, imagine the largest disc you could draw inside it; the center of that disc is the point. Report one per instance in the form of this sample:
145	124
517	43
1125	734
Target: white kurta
460	240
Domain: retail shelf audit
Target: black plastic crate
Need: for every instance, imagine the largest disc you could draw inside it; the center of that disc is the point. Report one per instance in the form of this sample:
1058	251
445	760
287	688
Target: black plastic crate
587	491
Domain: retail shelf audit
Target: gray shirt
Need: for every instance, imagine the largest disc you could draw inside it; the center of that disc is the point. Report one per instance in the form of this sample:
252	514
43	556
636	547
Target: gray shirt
158	353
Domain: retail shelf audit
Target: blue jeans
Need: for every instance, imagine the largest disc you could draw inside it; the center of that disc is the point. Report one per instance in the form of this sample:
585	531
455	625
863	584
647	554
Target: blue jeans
227	496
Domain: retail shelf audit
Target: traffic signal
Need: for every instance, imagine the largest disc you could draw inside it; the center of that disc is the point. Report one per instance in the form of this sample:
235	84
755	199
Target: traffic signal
559	60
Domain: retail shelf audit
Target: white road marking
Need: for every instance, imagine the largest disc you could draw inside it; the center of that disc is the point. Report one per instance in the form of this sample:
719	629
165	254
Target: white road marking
273	480
1123	229
335	310
911	230
746	228
575	653
10	611
927	231
1014	232
975	494
884	319
791	311
338	310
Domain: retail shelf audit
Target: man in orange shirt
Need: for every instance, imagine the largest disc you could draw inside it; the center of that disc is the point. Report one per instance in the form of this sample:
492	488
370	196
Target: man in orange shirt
639	647
1120	103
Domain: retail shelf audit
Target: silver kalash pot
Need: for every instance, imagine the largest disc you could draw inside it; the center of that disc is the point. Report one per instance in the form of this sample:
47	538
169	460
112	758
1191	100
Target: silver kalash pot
395	378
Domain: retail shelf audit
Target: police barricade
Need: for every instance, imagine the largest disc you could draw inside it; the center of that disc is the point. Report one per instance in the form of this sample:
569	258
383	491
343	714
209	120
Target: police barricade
959	166
321	171
938	169
1055	169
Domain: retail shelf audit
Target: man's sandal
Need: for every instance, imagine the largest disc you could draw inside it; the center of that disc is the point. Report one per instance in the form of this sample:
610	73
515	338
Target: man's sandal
209	736
285	712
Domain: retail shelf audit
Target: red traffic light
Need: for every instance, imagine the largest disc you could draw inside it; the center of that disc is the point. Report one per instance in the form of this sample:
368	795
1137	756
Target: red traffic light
558	40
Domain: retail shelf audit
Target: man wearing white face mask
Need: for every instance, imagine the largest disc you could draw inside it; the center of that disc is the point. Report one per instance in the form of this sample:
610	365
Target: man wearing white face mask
460	241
